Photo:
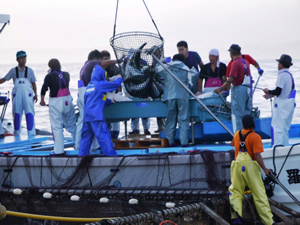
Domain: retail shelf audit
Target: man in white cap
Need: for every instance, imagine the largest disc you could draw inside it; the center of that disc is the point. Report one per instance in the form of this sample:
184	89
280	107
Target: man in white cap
284	102
213	73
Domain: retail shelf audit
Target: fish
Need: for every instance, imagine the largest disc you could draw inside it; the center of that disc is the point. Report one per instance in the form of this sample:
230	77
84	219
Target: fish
140	79
138	85
135	59
154	91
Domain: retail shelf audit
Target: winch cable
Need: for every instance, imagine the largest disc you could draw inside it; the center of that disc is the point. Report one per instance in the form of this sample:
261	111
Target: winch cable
153	20
116	19
115	25
191	93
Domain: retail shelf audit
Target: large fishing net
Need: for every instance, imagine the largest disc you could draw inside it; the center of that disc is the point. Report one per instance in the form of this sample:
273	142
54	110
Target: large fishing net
138	68
154	180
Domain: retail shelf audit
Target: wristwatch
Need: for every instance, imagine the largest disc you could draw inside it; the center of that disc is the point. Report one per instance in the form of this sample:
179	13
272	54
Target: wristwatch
35	95
221	89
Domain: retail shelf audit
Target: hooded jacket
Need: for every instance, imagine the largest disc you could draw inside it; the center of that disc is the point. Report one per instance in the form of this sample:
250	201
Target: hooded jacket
95	95
172	89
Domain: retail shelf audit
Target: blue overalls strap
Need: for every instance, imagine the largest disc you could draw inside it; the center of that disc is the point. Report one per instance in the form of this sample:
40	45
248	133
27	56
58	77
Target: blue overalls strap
293	83
242	139
246	70
17	72
61	78
208	70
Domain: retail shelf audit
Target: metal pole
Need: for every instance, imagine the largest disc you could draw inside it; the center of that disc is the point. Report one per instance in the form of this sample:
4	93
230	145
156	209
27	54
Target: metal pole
192	131
285	189
125	129
223	100
191	93
255	85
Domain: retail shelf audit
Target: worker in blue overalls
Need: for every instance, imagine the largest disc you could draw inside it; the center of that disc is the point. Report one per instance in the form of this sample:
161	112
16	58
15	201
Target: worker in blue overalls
94	121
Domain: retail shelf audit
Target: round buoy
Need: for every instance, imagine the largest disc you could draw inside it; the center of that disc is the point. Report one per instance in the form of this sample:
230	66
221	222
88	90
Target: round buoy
170	204
133	201
104	200
75	198
2	212
47	195
17	191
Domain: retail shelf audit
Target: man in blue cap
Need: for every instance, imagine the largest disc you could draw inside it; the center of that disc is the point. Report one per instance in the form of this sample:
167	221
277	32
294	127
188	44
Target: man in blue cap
240	97
284	102
23	94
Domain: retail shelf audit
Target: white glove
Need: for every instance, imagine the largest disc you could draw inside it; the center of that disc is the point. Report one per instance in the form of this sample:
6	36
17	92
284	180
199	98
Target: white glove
115	77
120	93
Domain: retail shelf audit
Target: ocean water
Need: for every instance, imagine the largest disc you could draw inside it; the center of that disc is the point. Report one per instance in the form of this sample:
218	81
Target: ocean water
268	80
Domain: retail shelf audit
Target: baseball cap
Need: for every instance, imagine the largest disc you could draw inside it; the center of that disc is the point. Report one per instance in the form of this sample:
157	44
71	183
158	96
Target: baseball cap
21	54
235	47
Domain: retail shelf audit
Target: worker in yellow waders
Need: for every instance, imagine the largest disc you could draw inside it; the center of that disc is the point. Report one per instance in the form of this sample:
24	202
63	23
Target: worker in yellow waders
245	171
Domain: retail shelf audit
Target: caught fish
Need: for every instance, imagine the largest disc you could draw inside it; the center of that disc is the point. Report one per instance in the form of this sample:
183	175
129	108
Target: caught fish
138	85
136	57
140	78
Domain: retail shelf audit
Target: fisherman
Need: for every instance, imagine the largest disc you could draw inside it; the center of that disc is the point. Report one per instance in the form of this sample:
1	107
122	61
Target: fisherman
158	69
135	126
214	73
250	61
248	81
240	98
113	70
94	58
245	171
177	99
94	121
23	94
284	103
191	59
61	109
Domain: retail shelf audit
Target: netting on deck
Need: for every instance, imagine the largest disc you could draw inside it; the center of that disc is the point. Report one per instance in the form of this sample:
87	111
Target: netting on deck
137	65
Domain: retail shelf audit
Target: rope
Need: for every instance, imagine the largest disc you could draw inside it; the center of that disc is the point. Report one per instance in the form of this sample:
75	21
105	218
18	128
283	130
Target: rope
152	20
274	165
286	158
167	221
56	218
9	171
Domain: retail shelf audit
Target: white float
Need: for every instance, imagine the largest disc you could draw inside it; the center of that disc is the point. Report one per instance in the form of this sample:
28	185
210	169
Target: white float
75	198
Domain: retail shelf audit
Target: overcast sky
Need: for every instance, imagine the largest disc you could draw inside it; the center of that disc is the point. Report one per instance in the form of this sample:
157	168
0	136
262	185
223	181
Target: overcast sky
69	29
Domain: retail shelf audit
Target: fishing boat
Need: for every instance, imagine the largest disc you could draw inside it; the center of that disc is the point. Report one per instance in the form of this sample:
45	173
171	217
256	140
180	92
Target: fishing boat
148	182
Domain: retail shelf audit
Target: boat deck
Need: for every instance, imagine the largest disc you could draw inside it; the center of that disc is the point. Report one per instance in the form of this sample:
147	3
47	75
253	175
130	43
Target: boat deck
42	145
